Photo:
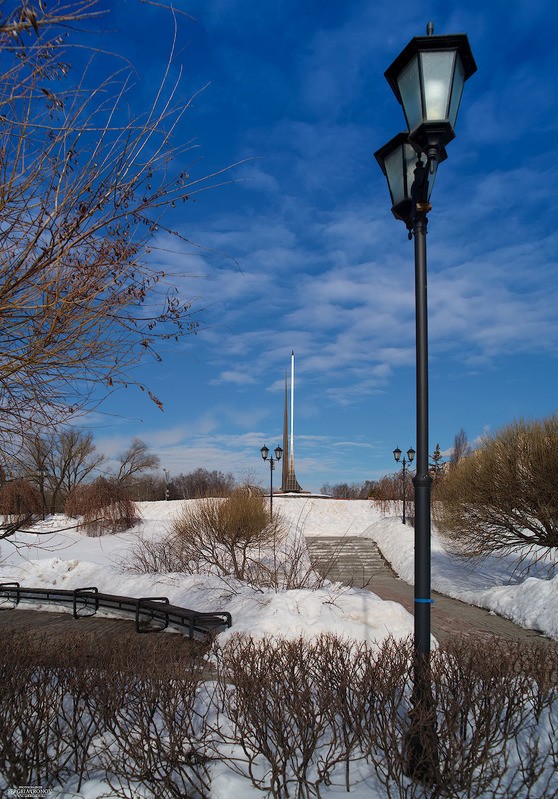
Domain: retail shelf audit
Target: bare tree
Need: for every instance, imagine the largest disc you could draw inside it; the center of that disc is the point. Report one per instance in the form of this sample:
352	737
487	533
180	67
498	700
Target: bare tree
203	483
353	491
460	448
57	461
84	186
150	488
136	460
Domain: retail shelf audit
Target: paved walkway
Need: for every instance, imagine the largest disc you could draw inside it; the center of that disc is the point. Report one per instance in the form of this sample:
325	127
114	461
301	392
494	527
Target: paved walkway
101	631
358	562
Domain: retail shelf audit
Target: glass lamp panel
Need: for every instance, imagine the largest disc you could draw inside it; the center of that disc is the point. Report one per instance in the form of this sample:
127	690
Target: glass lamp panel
409	87
437	74
431	179
410	159
278	453
400	171
457	91
265	452
395	174
397	453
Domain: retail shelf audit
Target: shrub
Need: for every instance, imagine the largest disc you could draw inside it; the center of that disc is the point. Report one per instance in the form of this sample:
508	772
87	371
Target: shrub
298	719
503	496
225	536
71	705
231	538
306	714
20	501
104	506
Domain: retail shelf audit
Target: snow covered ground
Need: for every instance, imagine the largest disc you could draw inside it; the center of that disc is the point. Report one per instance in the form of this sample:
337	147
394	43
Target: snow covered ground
64	558
68	559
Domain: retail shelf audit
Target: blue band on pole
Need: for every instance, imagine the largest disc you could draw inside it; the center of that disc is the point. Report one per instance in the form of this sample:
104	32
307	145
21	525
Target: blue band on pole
425	601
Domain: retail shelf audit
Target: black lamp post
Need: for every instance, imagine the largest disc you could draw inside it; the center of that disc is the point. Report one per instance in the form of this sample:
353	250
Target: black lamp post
427	79
410	455
265	452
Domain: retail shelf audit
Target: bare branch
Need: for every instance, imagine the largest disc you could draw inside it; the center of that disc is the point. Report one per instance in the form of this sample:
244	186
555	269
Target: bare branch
84	188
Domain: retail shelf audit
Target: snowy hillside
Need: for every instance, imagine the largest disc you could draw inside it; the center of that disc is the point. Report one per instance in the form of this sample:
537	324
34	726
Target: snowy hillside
66	558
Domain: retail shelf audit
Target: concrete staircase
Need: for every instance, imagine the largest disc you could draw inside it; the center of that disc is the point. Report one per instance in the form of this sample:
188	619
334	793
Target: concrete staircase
350	560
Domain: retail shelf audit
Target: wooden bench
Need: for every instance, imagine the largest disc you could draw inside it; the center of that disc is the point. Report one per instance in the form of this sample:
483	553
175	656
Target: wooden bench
151	610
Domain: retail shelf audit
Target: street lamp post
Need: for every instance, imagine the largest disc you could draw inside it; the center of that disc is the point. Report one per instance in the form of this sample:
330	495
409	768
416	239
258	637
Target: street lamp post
410	455
427	78
265	452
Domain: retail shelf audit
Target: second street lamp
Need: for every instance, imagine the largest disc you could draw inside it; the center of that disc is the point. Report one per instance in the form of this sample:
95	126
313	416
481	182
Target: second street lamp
410	456
265	452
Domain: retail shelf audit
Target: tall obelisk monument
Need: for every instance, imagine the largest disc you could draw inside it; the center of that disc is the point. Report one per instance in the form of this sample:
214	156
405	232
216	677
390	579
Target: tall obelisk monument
290	483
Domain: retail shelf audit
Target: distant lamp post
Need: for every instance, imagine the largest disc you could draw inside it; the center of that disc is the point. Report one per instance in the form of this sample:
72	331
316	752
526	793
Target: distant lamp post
410	457
427	79
272	461
42	472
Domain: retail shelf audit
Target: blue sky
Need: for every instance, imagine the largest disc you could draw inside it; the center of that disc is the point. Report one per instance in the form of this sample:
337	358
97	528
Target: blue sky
300	250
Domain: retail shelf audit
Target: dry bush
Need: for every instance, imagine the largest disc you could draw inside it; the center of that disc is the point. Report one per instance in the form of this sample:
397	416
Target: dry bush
71	706
104	507
497	710
161	729
278	712
231	538
225	537
387	494
156	556
44	712
281	565
20	502
31	753
503	496
301	714
296	718
287	566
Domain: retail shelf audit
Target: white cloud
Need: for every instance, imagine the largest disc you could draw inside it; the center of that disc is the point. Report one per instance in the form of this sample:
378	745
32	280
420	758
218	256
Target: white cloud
240	378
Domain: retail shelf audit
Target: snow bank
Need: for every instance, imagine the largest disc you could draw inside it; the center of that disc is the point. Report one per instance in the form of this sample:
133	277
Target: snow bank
65	558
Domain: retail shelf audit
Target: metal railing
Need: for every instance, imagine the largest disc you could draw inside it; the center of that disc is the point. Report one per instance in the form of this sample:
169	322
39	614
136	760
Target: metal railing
149	612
